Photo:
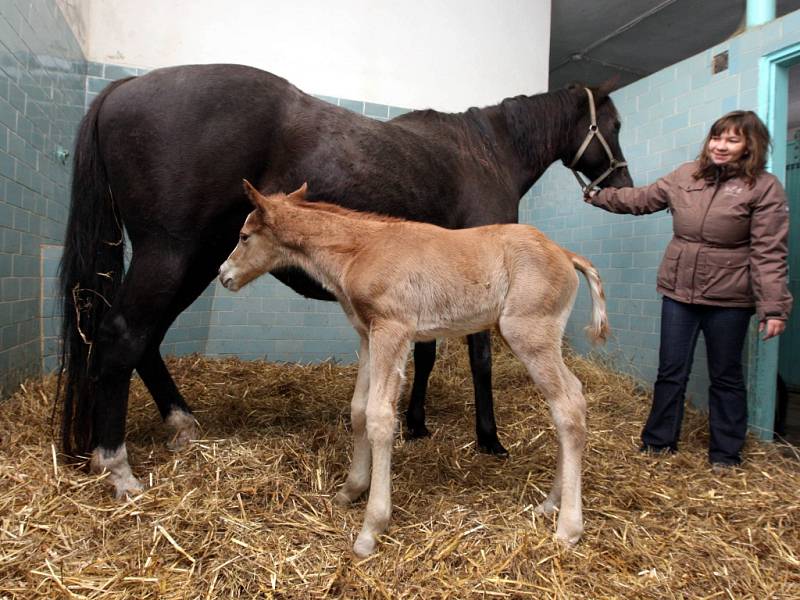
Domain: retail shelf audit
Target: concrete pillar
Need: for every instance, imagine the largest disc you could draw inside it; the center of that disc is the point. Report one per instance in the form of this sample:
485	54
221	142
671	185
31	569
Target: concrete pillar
760	12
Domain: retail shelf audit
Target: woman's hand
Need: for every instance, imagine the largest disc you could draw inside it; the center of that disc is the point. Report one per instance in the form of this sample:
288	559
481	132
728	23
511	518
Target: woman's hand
589	193
771	327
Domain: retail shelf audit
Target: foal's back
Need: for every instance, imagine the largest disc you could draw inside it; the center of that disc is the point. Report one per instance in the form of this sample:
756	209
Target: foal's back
454	282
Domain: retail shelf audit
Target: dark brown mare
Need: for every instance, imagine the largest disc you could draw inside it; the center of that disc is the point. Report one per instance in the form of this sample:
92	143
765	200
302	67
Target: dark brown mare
164	155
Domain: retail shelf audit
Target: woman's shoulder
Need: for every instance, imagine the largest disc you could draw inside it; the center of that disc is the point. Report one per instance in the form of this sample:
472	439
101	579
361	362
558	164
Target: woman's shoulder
684	174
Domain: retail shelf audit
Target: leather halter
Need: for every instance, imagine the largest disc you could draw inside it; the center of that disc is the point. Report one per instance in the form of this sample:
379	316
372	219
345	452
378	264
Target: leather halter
594	131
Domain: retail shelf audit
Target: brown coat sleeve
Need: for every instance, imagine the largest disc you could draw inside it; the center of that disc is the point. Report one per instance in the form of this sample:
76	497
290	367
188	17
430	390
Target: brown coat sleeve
636	201
769	234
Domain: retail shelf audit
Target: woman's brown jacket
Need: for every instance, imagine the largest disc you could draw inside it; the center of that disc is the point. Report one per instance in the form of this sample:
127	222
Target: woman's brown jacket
729	241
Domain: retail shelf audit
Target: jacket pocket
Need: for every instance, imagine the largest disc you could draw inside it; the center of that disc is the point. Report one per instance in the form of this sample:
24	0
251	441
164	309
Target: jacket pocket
727	278
668	271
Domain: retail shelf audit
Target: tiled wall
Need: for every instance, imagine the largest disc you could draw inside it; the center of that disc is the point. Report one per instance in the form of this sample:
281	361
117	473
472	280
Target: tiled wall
42	75
665	118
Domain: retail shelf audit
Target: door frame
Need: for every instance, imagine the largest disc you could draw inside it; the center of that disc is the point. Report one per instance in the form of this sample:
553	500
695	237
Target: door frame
773	96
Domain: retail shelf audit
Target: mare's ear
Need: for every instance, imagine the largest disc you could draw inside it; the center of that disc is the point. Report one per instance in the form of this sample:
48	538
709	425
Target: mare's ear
299	193
256	199
608	86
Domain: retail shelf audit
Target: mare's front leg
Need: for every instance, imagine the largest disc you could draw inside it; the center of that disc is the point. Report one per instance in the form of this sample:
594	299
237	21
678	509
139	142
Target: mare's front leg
388	347
480	361
358	478
424	357
171	405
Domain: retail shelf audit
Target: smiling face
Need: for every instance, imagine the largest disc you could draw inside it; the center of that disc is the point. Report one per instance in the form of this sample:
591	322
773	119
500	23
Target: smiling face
727	147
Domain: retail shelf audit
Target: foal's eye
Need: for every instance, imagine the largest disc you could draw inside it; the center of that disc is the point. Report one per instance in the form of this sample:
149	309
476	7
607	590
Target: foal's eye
243	237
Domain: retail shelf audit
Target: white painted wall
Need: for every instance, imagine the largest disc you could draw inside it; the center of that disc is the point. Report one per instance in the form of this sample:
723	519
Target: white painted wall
444	54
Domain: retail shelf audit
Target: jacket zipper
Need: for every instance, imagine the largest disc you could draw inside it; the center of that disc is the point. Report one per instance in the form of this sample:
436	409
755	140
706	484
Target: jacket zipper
702	239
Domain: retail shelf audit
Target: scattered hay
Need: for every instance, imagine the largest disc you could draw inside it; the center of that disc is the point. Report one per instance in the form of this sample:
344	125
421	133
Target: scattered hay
247	512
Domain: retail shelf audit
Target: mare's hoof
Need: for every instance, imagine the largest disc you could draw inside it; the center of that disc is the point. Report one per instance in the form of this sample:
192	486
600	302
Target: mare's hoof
492	446
126	487
186	429
416	432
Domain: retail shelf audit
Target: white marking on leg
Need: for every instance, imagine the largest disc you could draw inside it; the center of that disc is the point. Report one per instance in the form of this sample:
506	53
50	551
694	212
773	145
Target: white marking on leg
115	462
185	426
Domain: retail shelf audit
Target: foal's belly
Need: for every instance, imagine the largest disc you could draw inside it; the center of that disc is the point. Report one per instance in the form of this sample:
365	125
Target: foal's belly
444	327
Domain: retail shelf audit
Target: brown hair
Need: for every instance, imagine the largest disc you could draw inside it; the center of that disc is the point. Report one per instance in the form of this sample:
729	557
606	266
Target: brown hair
754	159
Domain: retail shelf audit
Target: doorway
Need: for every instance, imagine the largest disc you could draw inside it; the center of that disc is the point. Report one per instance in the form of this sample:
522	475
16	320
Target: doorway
787	419
778	356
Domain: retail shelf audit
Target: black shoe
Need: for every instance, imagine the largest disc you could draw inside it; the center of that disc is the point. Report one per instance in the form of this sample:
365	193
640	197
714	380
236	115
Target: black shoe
649	449
724	468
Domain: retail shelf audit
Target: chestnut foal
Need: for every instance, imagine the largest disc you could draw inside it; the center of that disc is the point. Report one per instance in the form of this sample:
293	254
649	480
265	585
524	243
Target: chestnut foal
401	282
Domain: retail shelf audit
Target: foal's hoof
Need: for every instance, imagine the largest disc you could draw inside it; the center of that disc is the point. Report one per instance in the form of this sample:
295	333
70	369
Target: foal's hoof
545	508
569	539
364	546
342	499
492	446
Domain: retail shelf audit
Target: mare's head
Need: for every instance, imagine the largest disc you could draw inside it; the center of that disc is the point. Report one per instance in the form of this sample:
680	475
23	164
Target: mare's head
587	151
259	250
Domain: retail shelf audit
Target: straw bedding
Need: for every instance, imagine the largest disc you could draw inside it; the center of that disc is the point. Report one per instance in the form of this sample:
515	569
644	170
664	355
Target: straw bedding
246	512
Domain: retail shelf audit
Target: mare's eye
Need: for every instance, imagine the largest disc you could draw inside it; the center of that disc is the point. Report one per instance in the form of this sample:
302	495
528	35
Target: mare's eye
243	237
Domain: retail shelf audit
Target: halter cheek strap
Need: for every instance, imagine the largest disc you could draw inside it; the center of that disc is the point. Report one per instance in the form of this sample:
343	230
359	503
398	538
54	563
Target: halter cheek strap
594	132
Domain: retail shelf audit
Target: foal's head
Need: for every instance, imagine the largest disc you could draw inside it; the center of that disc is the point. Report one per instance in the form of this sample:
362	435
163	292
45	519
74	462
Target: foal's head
259	250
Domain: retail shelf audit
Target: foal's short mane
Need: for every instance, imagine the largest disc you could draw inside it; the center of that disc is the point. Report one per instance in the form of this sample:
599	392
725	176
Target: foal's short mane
323	206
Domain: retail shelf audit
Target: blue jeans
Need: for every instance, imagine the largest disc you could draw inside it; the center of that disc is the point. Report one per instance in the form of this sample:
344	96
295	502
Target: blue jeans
724	330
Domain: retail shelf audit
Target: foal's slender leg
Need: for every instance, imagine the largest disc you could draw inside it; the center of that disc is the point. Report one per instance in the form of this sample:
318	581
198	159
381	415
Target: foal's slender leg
388	349
123	337
424	357
539	349
358	477
480	361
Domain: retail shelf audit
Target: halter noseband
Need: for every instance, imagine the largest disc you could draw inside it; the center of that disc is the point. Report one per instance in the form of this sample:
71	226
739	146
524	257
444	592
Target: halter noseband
594	131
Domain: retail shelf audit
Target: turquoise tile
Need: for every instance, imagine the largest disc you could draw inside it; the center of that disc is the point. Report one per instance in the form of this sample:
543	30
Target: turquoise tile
376	110
353	105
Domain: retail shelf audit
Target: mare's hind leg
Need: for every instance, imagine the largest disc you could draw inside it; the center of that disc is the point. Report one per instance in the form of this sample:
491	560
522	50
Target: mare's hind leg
171	404
124	336
480	362
539	348
424	357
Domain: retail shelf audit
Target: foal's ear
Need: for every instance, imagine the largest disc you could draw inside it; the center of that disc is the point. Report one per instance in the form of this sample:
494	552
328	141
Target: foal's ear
256	199
299	193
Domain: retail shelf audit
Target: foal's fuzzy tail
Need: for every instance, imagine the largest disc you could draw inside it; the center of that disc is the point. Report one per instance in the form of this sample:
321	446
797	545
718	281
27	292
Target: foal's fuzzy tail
90	274
598	331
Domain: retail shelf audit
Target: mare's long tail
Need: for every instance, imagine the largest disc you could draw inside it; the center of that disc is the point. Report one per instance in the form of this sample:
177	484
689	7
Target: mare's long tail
90	274
598	330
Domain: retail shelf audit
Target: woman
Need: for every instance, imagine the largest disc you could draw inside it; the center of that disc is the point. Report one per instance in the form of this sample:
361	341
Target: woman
726	260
